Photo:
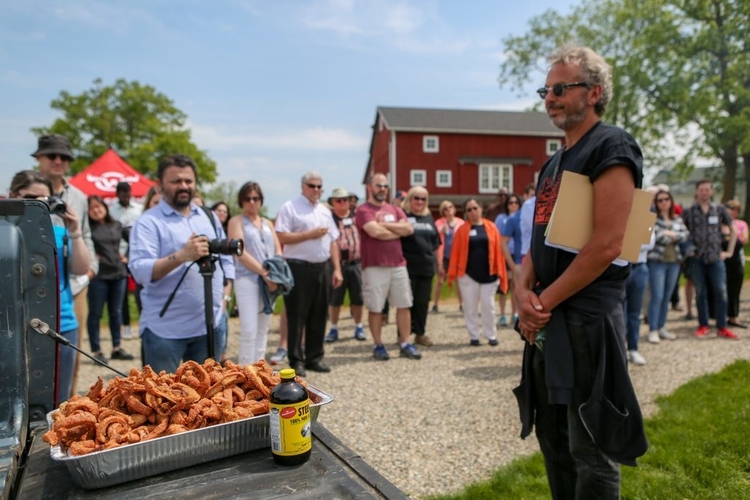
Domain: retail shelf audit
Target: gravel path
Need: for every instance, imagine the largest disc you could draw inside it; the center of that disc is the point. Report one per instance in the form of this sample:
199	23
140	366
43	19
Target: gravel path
434	425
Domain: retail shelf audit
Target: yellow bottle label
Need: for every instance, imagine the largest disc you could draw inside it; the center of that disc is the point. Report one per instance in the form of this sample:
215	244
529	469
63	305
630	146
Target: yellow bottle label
291	432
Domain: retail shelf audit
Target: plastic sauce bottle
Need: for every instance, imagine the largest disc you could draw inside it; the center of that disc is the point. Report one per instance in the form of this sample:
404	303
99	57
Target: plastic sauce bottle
290	422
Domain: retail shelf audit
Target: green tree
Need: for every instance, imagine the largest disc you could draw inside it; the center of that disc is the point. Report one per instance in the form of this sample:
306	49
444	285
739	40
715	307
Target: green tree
136	120
678	67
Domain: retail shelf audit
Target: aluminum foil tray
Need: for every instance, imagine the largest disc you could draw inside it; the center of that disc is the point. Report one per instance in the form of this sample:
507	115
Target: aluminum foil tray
156	456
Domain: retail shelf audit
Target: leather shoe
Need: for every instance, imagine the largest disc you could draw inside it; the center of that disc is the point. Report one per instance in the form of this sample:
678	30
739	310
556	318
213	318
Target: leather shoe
299	369
736	324
318	367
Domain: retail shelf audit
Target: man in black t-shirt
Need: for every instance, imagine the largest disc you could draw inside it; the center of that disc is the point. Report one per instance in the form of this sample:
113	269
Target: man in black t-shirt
569	304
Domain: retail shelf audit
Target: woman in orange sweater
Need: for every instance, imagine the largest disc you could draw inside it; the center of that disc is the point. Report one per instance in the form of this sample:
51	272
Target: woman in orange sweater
478	263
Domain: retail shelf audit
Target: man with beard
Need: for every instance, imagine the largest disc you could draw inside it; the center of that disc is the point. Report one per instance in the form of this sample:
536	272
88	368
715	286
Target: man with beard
570	311
164	244
384	276
306	230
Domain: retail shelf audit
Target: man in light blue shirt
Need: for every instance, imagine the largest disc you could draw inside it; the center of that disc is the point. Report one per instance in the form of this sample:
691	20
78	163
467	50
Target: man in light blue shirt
164	244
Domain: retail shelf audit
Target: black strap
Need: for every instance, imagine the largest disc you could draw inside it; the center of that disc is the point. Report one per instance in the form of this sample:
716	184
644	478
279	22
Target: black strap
210	216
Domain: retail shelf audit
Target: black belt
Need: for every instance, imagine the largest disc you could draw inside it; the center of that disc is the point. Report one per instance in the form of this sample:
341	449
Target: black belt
306	262
349	262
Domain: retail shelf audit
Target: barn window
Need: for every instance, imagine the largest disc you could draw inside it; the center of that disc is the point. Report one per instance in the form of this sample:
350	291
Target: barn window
553	145
492	177
444	178
418	177
430	144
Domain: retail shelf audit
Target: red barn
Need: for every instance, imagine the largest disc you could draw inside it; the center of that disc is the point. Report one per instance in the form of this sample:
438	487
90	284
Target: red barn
457	153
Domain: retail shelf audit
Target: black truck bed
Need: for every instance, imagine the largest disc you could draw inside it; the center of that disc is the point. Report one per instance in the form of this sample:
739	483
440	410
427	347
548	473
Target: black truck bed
333	472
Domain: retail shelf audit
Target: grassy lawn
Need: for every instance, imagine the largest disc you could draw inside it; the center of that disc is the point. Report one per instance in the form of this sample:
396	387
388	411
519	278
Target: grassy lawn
699	448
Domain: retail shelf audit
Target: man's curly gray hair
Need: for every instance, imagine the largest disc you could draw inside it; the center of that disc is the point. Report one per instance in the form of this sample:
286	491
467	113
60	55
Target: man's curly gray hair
595	70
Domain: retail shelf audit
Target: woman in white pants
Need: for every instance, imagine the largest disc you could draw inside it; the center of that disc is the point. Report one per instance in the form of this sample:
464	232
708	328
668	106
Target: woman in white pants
261	243
478	263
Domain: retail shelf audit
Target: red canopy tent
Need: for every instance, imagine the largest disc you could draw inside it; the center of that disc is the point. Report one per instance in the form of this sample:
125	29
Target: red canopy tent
101	177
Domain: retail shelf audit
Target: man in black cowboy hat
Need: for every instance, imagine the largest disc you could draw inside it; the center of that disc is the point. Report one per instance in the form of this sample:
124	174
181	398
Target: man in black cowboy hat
54	156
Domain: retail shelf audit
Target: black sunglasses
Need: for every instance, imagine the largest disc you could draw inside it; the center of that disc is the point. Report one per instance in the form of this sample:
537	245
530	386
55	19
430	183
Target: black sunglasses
471	209
419	198
55	156
314	186
558	89
659	200
252	198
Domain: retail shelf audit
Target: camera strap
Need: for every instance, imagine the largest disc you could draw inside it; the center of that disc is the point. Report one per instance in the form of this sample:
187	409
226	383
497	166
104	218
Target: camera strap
210	216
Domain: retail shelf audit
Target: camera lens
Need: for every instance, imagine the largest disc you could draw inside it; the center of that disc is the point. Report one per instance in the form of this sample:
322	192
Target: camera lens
226	247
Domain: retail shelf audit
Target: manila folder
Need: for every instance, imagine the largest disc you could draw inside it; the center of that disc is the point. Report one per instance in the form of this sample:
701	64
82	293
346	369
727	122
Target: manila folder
572	220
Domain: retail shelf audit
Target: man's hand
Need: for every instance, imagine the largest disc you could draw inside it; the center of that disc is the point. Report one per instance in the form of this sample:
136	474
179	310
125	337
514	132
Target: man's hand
338	278
531	314
318	232
724	255
195	248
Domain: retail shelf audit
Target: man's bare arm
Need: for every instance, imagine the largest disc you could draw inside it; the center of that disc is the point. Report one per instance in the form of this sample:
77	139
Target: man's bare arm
376	230
613	198
401	228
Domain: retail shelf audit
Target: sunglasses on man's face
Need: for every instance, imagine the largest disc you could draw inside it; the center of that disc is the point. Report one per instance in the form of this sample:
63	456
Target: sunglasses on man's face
53	157
341	200
314	186
558	89
471	209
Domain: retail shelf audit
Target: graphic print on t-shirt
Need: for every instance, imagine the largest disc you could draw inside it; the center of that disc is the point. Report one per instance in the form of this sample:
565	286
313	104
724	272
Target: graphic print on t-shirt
545	200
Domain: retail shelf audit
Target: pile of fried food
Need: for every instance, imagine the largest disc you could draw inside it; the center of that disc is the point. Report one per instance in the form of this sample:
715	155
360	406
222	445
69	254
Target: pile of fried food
147	405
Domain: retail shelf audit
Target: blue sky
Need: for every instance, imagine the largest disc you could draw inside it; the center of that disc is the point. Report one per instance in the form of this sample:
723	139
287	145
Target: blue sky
271	89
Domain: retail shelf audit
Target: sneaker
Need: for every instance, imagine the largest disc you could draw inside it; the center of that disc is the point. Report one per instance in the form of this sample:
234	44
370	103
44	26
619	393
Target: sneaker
359	333
474	342
701	332
333	335
435	309
409	351
126	333
423	340
636	358
100	357
122	354
726	333
279	357
666	334
380	353
493	342
503	321
653	337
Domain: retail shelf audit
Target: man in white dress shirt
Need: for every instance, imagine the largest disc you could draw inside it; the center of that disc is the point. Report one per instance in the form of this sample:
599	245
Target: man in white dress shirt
306	229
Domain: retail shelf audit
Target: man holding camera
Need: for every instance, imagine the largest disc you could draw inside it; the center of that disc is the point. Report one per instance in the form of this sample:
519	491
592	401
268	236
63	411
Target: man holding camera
165	244
54	156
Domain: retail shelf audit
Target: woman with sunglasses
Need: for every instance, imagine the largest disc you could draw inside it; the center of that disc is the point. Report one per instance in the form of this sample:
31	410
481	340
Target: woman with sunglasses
664	264
261	243
109	285
419	251
446	226
512	205
478	262
31	185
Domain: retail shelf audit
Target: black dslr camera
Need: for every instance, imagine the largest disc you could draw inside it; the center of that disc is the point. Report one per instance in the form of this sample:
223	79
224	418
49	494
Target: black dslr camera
56	205
226	247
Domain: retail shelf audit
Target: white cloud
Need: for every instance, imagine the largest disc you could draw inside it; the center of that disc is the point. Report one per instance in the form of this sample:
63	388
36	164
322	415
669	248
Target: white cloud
317	138
393	23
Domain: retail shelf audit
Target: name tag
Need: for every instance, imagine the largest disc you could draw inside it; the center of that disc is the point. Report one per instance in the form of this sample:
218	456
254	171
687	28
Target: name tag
472	233
389	218
347	222
713	219
411	220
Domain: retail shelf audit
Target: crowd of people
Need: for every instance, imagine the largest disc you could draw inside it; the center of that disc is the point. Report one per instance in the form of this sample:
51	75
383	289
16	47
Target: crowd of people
580	313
